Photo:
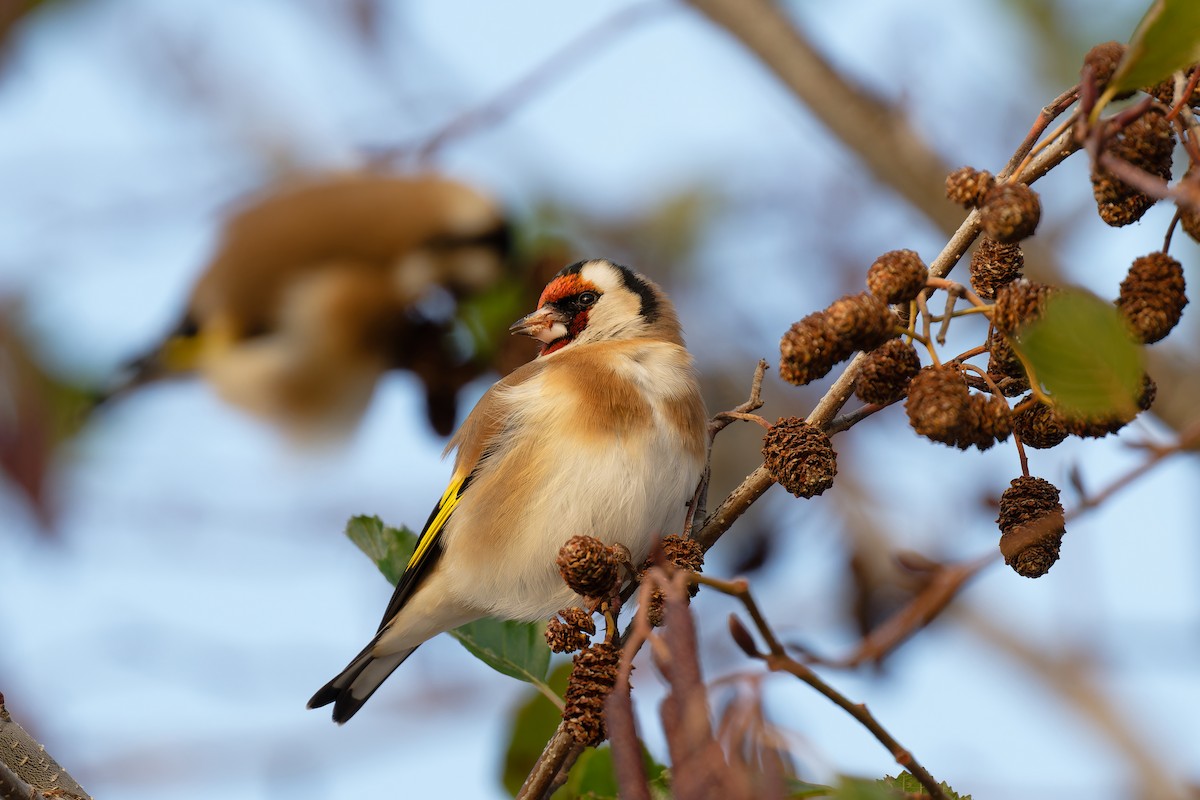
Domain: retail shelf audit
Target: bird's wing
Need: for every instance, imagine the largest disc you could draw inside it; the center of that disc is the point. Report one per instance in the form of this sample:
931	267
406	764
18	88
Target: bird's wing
479	433
429	546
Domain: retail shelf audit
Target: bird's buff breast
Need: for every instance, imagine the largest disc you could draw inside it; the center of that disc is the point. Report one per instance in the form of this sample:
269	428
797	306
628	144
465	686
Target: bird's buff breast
603	457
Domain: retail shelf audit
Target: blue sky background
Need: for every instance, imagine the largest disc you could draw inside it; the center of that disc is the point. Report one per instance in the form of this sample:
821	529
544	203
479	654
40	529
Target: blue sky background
164	642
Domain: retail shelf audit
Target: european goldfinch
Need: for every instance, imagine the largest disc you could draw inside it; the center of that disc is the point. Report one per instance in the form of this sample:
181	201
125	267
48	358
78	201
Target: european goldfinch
316	289
602	434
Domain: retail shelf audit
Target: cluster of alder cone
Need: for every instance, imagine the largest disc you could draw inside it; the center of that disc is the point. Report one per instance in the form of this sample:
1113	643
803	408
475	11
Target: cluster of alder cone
593	570
958	403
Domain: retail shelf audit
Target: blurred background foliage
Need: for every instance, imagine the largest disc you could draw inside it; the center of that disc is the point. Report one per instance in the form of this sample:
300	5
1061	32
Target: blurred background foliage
167	552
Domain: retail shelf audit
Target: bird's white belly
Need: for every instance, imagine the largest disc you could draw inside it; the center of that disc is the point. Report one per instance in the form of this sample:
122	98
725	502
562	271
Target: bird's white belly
630	491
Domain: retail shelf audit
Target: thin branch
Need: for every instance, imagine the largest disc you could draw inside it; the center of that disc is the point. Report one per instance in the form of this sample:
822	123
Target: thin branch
1048	114
877	131
553	758
576	52
777	660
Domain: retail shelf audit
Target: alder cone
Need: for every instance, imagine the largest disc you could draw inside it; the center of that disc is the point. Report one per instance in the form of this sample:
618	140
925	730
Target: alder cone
1153	296
1039	427
886	372
812	346
592	680
967	186
897	276
1019	303
1032	524
808	351
588	566
1103	60
994	264
799	457
1189	218
571	630
1010	212
1146	143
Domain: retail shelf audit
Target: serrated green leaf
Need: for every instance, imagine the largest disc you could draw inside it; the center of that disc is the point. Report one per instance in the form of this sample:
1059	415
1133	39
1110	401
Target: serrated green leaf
863	789
516	649
800	790
903	786
389	548
907	783
533	723
1082	355
1165	41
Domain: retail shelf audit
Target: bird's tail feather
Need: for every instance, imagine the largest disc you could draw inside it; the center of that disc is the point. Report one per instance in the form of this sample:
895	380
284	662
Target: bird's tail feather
357	682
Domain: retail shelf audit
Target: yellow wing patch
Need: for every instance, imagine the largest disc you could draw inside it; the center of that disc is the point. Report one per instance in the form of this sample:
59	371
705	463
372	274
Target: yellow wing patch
441	513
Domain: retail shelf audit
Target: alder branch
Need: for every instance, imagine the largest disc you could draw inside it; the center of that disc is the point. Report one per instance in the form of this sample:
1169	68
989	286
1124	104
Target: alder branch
777	660
27	771
874	129
494	111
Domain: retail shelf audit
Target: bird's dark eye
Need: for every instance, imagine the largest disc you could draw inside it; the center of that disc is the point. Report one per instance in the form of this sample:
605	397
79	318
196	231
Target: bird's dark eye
587	298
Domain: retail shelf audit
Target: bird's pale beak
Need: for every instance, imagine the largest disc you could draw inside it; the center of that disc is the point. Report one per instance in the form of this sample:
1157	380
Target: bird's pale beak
546	324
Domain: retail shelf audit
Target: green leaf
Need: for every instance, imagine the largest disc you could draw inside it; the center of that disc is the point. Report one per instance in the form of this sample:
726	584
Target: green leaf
390	548
516	649
903	785
533	723
1082	355
1165	41
800	790
907	783
593	777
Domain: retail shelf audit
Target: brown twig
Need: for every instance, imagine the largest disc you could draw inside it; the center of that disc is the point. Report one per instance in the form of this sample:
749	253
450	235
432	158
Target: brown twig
877	131
777	660
570	56
1048	114
754	402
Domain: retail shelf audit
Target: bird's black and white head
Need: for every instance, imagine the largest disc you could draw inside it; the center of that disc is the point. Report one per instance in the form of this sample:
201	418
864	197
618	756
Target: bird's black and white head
597	301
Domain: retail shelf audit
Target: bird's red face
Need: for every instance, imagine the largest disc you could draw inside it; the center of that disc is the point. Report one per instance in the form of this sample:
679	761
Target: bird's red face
562	312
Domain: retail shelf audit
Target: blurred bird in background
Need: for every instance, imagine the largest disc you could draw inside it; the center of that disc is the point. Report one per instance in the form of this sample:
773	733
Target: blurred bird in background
604	433
317	289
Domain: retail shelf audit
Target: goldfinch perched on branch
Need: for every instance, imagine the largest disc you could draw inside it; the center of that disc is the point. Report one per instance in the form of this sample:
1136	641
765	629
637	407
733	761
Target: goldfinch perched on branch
602	434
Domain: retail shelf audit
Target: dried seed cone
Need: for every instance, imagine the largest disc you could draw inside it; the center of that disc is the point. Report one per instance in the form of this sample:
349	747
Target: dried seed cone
588	566
860	322
967	186
1004	368
1152	296
1146	143
1189	218
1103	59
807	351
1031	526
1099	427
994	264
799	457
886	372
1018	303
813	345
1039	427
993	420
938	399
897	276
1010	212
591	681
571	630
1164	92
682	553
